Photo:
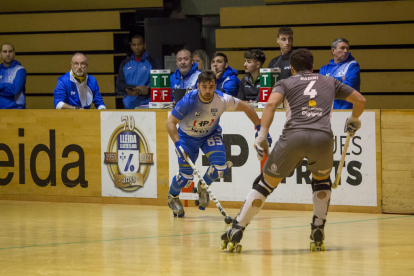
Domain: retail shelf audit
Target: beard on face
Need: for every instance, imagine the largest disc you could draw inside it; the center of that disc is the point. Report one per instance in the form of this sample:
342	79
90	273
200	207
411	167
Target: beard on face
207	96
79	73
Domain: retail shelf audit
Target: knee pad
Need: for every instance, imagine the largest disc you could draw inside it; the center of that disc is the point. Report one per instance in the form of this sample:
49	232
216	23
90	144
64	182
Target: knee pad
215	171
261	186
321	185
184	180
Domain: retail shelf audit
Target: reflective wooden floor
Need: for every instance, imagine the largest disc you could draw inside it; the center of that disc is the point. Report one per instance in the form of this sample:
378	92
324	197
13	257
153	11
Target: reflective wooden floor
38	238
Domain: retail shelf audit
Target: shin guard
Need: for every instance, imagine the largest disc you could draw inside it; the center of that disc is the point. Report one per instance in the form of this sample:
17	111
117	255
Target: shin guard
321	199
254	201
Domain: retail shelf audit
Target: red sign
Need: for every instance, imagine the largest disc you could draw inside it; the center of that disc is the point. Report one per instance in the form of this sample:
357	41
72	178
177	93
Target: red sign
160	95
265	93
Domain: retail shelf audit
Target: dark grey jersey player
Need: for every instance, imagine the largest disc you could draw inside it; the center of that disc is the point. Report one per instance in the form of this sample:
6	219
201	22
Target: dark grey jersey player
307	134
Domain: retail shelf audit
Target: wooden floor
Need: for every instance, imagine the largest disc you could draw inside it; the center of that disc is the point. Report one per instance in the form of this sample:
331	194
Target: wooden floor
38	238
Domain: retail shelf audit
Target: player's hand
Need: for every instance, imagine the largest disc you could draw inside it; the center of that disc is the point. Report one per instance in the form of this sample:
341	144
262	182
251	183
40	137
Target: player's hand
269	139
261	146
352	125
182	151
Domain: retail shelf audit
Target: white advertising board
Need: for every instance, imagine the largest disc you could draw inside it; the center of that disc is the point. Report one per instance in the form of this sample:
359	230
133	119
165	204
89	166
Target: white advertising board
358	184
128	154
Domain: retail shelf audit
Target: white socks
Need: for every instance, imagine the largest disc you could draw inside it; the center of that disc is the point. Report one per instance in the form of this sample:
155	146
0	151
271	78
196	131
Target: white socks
252	205
320	201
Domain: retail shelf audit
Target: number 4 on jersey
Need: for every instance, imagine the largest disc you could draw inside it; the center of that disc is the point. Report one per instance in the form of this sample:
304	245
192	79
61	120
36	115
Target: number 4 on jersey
309	91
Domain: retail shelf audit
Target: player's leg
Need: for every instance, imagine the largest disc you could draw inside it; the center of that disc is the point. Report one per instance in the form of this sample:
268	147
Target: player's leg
320	162
283	159
263	186
321	190
213	148
182	179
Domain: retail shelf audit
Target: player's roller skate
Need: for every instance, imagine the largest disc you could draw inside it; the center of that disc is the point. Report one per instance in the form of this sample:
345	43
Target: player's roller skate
318	236
203	196
231	239
175	204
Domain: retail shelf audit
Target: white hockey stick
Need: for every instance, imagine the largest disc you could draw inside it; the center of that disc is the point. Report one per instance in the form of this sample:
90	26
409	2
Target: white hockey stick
341	163
204	185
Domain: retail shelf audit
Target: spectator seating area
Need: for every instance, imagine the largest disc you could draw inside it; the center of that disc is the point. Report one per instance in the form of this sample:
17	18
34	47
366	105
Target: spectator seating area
46	33
379	33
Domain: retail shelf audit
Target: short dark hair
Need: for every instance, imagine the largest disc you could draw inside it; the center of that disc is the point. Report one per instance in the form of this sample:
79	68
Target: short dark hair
220	55
1	48
337	41
206	76
284	30
255	54
136	37
184	50
301	59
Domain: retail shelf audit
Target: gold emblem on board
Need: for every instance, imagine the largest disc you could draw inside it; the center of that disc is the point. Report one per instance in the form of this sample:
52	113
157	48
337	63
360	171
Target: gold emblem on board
128	156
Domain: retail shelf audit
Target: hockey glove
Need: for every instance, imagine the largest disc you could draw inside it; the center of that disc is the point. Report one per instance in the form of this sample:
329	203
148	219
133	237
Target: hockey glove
182	151
269	139
352	125
261	143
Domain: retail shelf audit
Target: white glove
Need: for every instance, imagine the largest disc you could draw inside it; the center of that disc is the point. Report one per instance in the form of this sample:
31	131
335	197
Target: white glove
261	144
352	125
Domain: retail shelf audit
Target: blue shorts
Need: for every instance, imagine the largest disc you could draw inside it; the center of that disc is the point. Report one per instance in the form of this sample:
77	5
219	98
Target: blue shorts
210	144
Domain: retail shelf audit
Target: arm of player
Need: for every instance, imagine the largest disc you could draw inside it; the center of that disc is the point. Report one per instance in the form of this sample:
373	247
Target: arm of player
262	142
353	123
273	102
358	101
180	149
249	111
172	122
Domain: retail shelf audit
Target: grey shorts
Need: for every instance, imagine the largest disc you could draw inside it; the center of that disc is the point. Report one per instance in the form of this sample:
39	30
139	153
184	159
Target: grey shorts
295	145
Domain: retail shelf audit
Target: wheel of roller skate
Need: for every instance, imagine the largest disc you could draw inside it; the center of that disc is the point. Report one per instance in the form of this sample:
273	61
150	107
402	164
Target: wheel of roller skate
175	215
230	246
239	248
228	220
322	247
194	190
197	202
312	246
223	245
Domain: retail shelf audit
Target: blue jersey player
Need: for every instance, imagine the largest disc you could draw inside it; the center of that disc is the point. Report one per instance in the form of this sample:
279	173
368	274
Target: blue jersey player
198	116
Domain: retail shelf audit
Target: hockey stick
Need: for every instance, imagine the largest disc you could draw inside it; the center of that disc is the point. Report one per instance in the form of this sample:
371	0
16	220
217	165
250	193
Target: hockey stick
341	163
227	219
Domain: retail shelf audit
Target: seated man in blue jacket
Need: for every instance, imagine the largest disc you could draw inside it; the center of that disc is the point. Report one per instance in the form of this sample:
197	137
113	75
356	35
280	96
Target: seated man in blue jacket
133	81
344	68
76	89
227	80
12	80
186	75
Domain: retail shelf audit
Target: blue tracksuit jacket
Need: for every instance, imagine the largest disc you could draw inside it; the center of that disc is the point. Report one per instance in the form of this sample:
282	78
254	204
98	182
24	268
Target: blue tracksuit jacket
348	72
229	82
135	73
12	86
188	81
69	91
